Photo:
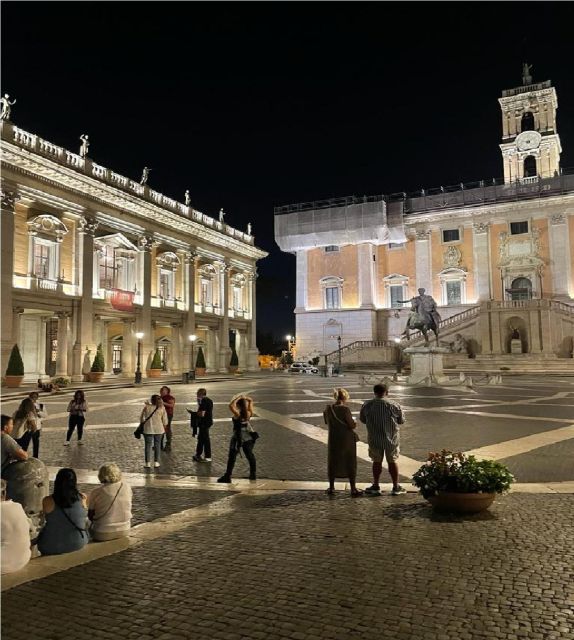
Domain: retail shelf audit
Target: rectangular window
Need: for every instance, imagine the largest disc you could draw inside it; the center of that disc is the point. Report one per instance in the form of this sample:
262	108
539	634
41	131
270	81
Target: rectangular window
396	245
116	357
237	299
166	289
516	228
450	235
396	293
454	292
43	260
332	297
108	268
331	248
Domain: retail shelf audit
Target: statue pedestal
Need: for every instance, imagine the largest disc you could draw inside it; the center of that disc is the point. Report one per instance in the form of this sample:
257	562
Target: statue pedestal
515	346
427	365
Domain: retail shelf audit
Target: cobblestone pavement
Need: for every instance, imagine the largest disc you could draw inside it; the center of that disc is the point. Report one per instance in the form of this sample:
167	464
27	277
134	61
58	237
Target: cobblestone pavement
301	566
522	409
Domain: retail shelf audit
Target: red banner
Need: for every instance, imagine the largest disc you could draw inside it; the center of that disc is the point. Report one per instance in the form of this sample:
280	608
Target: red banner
122	300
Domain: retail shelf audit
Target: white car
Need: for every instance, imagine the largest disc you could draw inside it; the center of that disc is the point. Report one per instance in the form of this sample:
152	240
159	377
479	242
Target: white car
303	367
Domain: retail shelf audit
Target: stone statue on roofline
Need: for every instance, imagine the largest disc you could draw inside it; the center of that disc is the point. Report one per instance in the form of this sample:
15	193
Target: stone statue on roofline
6	107
221	216
187	198
249	228
84	146
145	175
526	77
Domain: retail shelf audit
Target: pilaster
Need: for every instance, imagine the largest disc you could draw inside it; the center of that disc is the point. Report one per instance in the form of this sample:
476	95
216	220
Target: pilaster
481	261
253	352
302	279
224	349
423	260
191	268
8	204
366	269
559	254
62	355
144	322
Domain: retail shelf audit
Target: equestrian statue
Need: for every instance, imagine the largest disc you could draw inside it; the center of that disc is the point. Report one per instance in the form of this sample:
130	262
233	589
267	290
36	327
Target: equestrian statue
423	316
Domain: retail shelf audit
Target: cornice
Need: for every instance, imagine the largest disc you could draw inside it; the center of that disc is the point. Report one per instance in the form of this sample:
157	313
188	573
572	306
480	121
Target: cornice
49	172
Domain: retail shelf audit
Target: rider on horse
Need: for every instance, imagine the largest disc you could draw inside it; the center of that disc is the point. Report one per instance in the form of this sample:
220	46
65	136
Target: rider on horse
424	314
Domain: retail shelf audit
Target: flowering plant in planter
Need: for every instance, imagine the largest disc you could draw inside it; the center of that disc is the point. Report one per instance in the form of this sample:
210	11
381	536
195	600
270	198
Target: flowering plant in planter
448	472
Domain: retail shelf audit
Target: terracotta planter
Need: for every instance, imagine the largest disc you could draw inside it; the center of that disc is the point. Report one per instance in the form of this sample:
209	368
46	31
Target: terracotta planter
96	376
199	372
12	382
153	373
462	502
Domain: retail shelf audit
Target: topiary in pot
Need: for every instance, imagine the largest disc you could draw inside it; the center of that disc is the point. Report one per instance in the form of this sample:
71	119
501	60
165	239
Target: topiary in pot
200	363
233	362
15	368
98	366
155	367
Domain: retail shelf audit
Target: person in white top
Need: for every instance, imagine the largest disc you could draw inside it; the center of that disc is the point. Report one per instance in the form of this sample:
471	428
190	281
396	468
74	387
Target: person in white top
14	536
110	506
155	422
28	426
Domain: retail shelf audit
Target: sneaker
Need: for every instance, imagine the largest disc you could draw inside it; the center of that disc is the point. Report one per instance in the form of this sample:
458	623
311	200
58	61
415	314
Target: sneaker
373	490
205	460
156	464
197	458
224	479
398	490
80	442
147	465
66	444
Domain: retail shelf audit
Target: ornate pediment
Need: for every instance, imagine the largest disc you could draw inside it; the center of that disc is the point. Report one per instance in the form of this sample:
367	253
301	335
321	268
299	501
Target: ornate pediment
168	260
48	226
117	241
519	250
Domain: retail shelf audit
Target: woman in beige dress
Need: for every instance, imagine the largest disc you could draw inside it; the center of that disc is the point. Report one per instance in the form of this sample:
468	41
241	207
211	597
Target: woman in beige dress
342	443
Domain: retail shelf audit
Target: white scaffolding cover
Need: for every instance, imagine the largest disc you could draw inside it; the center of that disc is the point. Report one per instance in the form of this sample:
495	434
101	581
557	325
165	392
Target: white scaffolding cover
350	224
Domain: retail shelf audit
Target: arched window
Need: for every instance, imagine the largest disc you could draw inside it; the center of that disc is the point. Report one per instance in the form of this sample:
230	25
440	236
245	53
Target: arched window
521	289
530	167
527	123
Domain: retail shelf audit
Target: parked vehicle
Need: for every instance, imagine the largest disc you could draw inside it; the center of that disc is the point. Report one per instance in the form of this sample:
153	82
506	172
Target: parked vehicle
303	367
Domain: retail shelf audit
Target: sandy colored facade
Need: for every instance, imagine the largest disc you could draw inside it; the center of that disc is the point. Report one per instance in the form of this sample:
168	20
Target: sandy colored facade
90	257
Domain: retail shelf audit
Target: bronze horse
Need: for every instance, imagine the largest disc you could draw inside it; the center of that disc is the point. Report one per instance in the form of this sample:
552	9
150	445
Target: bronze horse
421	322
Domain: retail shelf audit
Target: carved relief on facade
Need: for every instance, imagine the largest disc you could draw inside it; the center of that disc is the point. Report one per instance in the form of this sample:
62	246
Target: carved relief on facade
452	257
47	225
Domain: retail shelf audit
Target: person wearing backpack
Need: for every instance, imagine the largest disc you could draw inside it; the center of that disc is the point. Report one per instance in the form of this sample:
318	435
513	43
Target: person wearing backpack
243	438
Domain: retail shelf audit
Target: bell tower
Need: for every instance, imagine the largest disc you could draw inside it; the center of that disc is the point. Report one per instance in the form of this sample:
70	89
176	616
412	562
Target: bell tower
530	143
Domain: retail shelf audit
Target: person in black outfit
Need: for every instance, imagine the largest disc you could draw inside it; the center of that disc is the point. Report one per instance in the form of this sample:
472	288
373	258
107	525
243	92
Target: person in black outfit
242	411
205	421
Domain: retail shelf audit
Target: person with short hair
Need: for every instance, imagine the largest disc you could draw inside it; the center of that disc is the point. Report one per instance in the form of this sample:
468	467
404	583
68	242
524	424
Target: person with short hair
65	512
110	505
382	418
154	418
77	408
342	442
241	408
11	450
169	404
15	534
27	426
204	423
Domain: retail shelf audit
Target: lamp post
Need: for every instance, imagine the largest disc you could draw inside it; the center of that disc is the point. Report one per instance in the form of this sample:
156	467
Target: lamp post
192	339
138	378
339	343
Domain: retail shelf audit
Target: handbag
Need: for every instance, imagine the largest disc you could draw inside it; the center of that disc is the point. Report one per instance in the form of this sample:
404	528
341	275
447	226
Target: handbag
355	434
138	432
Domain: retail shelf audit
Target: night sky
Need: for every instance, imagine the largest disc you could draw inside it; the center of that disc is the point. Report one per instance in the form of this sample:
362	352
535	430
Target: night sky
252	105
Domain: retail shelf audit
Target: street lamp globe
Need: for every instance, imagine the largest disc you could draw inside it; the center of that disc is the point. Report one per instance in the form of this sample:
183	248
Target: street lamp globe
192	337
139	335
397	340
288	338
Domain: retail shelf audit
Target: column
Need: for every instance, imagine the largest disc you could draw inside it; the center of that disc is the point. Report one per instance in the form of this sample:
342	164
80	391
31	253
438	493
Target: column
62	355
423	260
16	316
253	352
224	349
128	349
190	266
481	261
84	347
144	321
559	255
301	280
8	200
366	267
176	365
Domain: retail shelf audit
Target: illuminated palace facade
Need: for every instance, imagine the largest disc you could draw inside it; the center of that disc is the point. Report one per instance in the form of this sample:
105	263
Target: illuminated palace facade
496	255
90	256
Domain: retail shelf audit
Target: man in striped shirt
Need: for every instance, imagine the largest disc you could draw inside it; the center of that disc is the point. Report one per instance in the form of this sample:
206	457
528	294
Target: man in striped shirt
382	419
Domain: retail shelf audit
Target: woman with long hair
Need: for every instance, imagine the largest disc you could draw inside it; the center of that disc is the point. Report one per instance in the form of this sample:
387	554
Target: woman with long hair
154	418
65	512
27	426
342	442
243	437
77	408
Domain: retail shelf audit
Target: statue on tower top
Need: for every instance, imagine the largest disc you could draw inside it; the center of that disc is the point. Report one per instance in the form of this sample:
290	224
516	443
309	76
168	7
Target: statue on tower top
526	77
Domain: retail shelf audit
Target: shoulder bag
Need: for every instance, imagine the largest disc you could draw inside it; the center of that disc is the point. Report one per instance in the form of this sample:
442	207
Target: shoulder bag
138	432
355	434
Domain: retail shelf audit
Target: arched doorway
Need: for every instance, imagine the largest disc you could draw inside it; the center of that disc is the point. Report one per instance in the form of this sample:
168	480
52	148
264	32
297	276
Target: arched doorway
521	289
530	167
527	122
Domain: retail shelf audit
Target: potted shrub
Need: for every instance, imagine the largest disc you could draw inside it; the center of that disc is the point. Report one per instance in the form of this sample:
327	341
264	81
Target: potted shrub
15	369
233	362
460	483
200	363
154	370
98	366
